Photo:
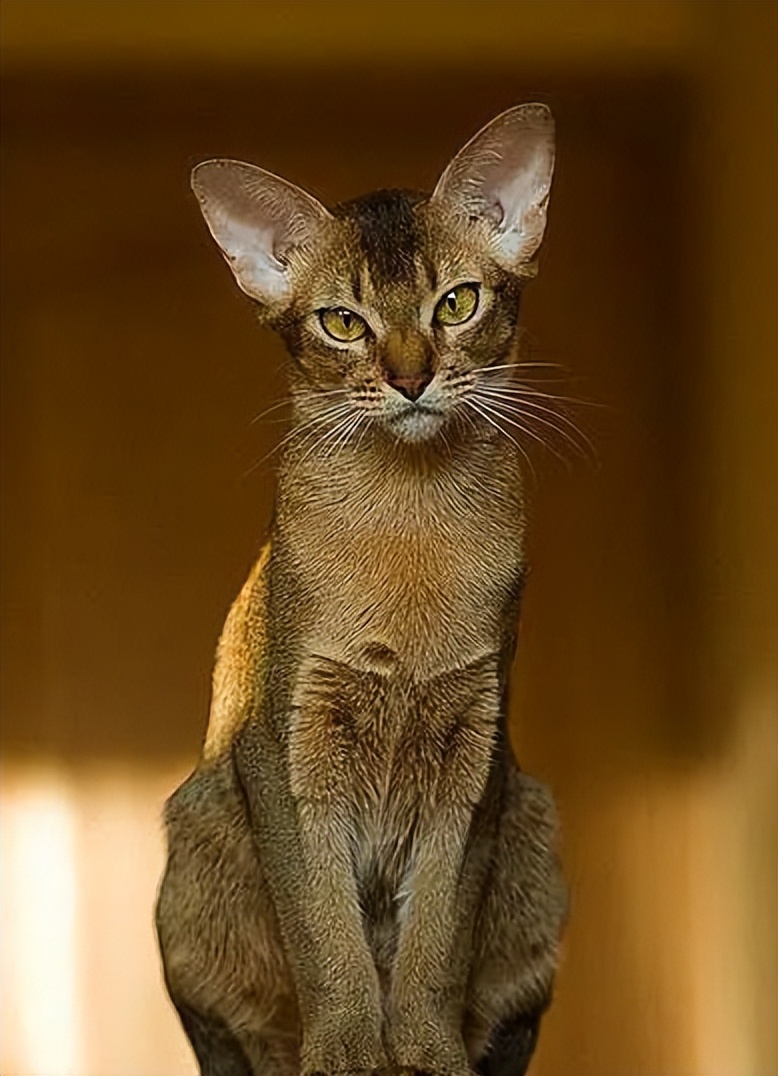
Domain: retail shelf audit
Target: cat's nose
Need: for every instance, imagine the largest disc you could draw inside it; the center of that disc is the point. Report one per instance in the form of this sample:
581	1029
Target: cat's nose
411	386
408	362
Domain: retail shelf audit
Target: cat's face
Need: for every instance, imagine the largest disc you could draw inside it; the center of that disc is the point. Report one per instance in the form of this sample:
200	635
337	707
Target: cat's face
398	307
393	302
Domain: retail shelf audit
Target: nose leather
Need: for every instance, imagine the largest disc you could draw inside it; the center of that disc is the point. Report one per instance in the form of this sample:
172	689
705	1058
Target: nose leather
410	387
408	363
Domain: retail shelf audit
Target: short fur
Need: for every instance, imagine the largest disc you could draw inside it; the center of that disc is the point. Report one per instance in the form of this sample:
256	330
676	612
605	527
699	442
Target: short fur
359	876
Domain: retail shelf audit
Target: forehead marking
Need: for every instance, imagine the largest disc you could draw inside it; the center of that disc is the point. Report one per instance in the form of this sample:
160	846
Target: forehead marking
425	270
388	233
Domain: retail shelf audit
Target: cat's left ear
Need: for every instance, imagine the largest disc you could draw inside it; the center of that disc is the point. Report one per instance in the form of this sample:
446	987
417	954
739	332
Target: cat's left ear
503	176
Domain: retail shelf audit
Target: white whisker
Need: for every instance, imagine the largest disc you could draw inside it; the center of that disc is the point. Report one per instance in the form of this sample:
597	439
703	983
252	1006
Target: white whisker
516	388
267	411
344	436
306	429
495	410
502	408
290	400
332	432
516	365
471	403
511	402
517	402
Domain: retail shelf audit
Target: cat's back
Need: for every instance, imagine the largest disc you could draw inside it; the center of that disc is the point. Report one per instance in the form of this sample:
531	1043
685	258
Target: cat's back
241	659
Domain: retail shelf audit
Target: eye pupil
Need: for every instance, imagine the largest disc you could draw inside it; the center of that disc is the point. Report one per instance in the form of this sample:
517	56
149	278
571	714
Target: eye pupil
451	301
345	317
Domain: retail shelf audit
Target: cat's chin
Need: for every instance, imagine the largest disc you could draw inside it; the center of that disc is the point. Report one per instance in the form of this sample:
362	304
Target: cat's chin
416	425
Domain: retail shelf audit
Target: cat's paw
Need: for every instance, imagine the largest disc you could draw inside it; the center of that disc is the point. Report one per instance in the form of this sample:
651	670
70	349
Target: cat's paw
343	1047
421	1045
406	1071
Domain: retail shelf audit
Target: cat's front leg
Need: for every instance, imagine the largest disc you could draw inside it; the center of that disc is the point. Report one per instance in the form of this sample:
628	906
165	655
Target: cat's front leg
342	1026
426	1006
451	758
304	846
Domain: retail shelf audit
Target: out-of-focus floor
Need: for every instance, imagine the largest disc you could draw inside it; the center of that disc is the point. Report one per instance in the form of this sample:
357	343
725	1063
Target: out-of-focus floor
82	853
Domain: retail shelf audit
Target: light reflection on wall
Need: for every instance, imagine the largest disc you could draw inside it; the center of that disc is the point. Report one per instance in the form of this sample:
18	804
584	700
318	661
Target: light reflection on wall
39	930
82	854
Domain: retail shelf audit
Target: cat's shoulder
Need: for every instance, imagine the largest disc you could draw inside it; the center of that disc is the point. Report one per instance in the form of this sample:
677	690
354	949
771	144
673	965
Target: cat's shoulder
240	659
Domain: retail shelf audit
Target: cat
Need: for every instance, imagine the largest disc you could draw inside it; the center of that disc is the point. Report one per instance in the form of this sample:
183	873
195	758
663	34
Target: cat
360	879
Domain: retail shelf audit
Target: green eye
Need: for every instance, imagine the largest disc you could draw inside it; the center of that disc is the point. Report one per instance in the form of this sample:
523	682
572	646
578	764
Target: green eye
342	324
457	305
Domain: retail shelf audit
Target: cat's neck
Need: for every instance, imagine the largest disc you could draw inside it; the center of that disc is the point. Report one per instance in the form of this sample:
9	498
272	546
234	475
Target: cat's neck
451	473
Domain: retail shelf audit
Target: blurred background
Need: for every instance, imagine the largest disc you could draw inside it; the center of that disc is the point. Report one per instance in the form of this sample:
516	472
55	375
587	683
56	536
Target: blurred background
132	369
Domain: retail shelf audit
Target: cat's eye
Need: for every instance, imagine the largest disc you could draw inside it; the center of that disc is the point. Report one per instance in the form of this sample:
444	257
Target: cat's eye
342	324
457	305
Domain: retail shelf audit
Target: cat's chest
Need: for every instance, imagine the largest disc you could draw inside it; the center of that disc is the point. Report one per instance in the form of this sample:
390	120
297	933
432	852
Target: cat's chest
425	582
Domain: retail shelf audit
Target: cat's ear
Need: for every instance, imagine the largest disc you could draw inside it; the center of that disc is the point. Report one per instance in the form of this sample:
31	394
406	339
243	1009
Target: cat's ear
257	219
503	176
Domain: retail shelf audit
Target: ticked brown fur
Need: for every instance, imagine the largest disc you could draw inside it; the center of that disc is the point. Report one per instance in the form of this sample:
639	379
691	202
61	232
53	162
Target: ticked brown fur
360	879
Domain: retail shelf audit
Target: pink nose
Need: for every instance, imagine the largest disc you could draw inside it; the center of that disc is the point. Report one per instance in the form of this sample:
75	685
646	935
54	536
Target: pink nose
411	386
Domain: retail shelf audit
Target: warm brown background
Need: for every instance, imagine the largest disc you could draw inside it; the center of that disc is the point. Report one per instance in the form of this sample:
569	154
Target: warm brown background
132	370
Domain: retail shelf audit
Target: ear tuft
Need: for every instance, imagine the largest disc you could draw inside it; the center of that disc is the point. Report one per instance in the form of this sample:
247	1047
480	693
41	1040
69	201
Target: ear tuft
503	176
257	219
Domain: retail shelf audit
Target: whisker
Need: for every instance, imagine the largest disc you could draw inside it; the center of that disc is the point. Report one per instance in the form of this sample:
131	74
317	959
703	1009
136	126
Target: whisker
516	365
306	429
476	408
516	388
326	436
344	436
462	419
267	411
495	410
517	405
529	417
511	402
317	420
368	418
291	400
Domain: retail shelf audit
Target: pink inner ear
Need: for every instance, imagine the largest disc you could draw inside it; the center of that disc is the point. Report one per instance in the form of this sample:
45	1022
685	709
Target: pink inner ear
520	186
503	175
255	216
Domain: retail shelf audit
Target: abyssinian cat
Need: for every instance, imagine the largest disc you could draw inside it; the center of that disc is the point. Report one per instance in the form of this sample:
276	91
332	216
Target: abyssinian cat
360	879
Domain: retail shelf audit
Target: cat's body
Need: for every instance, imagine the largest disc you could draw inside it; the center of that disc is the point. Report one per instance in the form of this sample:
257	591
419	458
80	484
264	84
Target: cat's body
360	878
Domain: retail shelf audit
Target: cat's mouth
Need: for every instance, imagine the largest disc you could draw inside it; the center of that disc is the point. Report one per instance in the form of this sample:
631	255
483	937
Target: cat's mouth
417	422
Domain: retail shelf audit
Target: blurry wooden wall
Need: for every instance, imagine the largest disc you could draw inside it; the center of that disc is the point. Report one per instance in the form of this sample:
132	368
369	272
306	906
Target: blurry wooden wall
132	369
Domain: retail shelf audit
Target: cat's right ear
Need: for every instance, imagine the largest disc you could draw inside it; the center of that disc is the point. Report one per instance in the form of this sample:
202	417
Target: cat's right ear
257	219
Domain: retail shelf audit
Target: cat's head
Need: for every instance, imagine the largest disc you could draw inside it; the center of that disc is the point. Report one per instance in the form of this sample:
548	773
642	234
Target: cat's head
390	304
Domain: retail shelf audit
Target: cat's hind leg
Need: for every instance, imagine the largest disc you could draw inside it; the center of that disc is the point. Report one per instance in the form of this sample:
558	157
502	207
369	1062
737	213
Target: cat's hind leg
217	1050
222	953
517	933
511	1046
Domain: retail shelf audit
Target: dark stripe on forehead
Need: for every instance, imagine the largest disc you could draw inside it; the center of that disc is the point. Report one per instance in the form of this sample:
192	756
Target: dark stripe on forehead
431	273
388	232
